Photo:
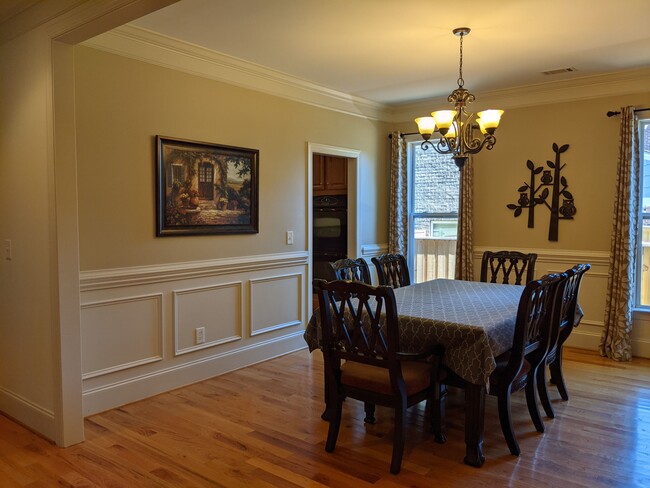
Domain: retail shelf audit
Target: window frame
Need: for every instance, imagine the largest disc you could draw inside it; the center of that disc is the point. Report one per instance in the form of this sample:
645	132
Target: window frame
641	215
412	142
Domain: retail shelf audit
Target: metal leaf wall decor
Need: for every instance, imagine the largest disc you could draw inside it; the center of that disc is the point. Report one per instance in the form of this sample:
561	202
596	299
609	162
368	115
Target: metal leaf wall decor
552	184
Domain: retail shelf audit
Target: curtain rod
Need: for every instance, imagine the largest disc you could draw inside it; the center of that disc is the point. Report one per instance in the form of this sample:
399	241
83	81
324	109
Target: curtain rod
390	136
611	114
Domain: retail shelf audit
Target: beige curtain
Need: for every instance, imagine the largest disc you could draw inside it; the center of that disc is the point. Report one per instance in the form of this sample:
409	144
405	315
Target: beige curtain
398	206
464	262
615	341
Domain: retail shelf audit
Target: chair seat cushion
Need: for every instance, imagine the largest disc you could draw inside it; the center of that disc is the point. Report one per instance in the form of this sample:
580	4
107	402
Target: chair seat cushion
417	377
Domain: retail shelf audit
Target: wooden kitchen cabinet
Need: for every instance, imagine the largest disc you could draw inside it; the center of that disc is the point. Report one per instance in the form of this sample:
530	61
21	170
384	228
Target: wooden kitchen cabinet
330	175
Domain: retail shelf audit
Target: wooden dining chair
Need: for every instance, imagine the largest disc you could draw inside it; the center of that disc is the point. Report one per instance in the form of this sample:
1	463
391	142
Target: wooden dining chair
361	351
516	369
565	318
352	270
392	270
500	265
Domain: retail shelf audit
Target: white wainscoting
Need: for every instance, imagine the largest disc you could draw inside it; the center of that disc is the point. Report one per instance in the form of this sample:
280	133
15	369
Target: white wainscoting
138	325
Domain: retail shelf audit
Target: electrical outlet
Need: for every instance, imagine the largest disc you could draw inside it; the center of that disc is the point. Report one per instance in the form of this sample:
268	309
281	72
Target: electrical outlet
289	237
199	335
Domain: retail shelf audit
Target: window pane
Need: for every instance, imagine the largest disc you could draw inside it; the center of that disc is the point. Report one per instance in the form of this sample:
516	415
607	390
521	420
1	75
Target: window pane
645	263
435	248
643	268
436	182
434	214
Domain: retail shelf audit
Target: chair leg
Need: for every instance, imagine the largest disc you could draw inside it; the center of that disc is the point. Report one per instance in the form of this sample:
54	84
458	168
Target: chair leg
437	412
506	421
531	400
398	437
370	412
335	422
542	389
557	378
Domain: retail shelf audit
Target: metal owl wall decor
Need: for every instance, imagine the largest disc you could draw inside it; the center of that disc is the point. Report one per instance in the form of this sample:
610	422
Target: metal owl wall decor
552	186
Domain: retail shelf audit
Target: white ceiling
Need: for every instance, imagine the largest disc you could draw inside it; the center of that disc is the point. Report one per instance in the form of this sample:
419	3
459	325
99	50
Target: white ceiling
401	51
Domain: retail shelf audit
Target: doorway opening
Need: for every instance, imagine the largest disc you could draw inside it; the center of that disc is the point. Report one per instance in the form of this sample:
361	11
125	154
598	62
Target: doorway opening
316	155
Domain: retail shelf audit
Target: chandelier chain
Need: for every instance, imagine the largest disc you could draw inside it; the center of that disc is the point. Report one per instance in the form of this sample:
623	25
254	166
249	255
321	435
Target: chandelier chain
461	82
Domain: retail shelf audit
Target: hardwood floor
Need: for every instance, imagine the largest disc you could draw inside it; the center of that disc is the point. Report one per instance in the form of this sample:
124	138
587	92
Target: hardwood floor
261	427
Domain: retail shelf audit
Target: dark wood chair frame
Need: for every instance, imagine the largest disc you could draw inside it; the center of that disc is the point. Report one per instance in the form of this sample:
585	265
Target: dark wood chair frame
563	322
517	368
505	263
352	331
392	270
352	270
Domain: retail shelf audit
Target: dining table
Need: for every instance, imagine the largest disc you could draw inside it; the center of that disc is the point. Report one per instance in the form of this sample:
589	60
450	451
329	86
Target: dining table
473	321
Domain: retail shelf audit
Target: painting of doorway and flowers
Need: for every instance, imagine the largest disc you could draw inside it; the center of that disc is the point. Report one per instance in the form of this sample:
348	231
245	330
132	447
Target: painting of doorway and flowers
205	188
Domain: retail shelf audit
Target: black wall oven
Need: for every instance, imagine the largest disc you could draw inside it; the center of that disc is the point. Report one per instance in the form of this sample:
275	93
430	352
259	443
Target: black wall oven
330	233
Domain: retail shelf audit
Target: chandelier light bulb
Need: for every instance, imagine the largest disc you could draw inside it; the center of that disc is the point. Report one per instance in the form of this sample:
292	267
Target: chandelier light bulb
444	119
481	127
426	126
490	119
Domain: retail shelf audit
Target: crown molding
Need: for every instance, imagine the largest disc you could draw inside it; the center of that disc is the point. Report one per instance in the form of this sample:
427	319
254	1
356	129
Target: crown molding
582	88
151	47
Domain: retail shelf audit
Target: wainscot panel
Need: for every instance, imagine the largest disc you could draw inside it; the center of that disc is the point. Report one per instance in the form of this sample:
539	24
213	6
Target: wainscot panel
276	303
139	325
216	310
120	334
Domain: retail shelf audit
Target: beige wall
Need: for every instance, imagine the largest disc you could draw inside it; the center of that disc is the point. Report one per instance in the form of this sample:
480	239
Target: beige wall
122	104
27	289
529	133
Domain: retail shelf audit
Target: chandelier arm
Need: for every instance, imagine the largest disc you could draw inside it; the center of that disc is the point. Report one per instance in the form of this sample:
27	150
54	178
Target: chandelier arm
440	147
487	143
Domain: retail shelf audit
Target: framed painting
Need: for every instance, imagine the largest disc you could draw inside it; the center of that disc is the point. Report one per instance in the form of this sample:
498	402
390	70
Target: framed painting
204	188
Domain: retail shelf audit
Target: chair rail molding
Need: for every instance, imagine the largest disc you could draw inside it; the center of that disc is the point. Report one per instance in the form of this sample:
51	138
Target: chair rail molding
139	275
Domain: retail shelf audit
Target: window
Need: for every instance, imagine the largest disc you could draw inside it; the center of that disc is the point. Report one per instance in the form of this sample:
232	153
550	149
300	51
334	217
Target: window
643	240
177	173
434	182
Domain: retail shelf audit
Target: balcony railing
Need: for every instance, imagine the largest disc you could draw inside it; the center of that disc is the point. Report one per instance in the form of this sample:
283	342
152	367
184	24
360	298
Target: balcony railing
434	258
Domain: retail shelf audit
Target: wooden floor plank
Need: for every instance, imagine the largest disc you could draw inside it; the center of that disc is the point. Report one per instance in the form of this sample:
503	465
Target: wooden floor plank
261	427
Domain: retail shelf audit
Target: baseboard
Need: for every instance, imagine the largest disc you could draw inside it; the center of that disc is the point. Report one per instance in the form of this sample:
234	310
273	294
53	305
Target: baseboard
588	337
584	339
146	385
28	413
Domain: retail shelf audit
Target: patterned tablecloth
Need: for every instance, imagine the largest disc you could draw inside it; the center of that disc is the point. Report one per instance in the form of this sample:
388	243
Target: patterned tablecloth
474	321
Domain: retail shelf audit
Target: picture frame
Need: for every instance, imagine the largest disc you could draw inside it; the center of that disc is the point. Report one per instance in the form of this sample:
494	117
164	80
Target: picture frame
205	188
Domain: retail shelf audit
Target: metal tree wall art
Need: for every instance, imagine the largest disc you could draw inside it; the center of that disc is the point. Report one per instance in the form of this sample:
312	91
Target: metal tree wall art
532	194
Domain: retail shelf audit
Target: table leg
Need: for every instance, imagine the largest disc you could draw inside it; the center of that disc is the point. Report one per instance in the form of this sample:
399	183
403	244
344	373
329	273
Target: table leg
474	417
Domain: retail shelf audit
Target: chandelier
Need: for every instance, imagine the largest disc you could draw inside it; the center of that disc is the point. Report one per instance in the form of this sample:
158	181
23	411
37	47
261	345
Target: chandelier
456	126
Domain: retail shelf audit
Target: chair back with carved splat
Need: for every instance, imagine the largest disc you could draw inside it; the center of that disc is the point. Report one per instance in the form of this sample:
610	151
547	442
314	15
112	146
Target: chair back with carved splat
508	267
